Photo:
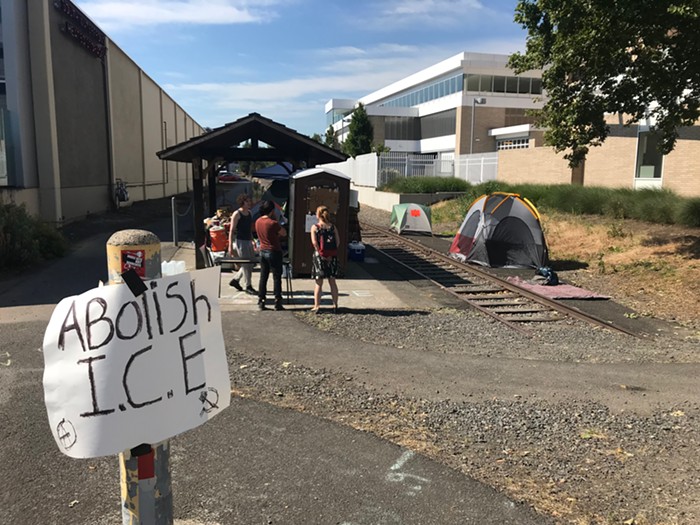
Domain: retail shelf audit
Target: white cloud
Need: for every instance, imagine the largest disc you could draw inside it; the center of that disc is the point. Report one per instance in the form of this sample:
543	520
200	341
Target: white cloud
113	15
434	13
298	102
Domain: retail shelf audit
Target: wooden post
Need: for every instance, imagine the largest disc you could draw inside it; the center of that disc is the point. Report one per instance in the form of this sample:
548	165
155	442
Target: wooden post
146	492
197	197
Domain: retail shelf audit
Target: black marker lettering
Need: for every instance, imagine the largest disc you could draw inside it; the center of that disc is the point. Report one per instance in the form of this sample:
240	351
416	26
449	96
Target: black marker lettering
133	403
144	300
182	300
65	328
186	358
139	321
159	315
91	375
102	318
195	300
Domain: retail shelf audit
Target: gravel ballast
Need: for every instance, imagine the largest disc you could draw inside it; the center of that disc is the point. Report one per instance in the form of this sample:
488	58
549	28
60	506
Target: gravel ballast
578	461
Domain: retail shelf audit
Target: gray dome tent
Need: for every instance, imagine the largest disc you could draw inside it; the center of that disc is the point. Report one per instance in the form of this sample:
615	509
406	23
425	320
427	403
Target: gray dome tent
501	230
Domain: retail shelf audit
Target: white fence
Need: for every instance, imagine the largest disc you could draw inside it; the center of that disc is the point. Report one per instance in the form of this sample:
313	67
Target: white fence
478	167
374	170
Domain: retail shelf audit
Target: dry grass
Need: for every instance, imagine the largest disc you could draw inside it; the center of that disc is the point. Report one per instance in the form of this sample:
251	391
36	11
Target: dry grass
654	269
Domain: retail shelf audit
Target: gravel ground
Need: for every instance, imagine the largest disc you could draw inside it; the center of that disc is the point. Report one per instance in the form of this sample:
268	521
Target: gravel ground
580	463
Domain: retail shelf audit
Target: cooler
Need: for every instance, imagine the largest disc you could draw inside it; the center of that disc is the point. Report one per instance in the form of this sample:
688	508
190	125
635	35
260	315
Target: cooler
356	251
219	241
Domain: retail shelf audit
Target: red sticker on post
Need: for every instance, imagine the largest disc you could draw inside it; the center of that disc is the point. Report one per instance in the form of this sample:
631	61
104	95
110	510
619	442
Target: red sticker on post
134	260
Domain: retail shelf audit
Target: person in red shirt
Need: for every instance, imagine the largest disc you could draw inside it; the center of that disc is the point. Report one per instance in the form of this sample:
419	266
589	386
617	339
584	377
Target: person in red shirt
269	232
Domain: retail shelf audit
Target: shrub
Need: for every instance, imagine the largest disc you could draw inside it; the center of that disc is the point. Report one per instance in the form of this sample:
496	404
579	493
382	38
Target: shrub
425	185
25	240
658	206
689	213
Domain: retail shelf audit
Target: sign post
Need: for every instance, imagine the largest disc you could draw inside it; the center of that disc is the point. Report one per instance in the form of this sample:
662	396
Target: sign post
144	471
129	366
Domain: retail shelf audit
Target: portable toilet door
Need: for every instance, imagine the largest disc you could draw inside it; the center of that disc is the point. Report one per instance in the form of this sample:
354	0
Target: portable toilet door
310	189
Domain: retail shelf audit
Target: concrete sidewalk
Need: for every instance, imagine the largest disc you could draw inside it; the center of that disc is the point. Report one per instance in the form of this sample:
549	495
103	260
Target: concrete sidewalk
357	289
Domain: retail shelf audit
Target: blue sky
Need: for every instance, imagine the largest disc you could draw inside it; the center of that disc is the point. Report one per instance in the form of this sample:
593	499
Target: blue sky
223	59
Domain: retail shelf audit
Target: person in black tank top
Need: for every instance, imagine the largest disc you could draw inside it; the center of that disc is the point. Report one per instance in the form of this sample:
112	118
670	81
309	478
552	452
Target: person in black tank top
240	244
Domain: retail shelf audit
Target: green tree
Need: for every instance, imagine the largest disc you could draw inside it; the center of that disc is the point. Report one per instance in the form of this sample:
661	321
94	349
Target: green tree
249	167
317	138
380	148
360	133
636	58
331	138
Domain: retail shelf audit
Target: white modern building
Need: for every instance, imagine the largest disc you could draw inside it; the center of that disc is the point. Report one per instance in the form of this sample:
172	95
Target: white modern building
467	117
455	107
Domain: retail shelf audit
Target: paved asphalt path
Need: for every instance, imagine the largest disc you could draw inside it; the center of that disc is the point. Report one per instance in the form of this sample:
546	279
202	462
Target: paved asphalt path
252	464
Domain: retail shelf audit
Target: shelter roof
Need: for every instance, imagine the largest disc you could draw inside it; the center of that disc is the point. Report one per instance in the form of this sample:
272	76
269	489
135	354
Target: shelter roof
225	143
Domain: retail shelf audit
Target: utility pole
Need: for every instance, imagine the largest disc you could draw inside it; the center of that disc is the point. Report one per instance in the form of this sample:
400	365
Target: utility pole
475	101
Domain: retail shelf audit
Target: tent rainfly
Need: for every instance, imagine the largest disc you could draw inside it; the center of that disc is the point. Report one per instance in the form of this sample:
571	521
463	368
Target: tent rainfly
501	230
411	218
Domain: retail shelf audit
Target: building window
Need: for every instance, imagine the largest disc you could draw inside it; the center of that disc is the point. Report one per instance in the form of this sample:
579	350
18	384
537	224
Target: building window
472	82
649	159
438	125
438	89
524	85
499	84
512	144
536	88
401	128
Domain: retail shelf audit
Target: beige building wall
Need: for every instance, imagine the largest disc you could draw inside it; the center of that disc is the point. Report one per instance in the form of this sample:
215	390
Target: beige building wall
94	117
169	139
182	170
125	111
533	165
681	168
152	123
612	164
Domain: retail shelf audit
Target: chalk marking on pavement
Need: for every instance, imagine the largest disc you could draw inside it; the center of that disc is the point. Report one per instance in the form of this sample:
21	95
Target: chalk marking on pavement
401	477
362	293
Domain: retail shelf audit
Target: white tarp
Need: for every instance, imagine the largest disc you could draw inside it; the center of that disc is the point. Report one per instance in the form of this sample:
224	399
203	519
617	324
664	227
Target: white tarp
123	370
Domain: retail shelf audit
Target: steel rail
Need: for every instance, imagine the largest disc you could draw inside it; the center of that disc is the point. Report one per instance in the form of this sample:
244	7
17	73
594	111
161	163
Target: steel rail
553	304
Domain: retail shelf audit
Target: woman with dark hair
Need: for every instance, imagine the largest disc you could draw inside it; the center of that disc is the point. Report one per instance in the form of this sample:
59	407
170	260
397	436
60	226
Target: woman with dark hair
269	232
325	240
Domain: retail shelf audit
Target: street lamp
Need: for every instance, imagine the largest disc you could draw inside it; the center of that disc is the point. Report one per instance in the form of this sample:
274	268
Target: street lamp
475	101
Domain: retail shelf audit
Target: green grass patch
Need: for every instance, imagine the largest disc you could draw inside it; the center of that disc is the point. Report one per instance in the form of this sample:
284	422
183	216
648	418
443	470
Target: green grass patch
655	206
425	185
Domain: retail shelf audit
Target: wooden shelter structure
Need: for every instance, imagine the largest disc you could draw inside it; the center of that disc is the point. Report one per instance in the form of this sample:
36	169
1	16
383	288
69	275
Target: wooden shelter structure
269	141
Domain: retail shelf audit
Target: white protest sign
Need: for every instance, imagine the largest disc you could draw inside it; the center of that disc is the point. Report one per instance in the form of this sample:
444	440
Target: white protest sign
309	222
123	370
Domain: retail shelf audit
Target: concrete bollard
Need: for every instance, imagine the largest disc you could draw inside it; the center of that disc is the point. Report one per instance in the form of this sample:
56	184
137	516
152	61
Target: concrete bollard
146	488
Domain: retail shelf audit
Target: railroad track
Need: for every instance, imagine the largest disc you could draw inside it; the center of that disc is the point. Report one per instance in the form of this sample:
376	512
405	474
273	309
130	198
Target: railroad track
516	307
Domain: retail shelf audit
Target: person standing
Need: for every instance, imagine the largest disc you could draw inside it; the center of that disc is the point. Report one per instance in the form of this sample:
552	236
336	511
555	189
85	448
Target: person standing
269	233
241	236
325	240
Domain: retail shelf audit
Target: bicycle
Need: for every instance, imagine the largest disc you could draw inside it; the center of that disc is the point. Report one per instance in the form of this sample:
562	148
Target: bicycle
121	193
